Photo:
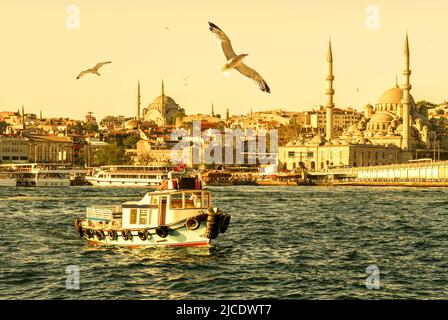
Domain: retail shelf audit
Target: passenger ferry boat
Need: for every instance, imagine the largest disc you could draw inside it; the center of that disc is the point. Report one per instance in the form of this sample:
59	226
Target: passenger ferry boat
179	213
129	176
39	174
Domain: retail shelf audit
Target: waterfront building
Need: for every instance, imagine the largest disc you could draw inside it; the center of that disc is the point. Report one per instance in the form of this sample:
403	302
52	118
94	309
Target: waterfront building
13	149
50	149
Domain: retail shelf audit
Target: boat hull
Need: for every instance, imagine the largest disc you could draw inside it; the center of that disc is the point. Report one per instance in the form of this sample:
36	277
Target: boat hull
122	183
177	237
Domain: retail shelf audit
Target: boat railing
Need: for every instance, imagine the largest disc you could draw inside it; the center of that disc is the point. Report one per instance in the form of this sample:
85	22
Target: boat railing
104	213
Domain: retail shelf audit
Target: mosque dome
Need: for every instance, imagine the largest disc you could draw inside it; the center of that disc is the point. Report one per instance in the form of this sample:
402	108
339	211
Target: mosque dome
393	95
380	121
167	100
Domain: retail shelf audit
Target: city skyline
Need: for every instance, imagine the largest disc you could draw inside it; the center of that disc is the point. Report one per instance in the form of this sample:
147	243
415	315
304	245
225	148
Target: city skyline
145	43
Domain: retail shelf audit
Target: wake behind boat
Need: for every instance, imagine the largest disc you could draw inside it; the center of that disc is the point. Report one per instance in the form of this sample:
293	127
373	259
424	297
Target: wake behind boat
180	213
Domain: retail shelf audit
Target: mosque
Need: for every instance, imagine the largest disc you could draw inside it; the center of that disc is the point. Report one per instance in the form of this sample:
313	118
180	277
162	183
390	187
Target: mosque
395	130
163	110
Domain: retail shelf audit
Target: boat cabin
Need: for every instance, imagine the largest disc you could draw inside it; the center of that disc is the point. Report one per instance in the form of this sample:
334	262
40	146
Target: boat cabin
164	207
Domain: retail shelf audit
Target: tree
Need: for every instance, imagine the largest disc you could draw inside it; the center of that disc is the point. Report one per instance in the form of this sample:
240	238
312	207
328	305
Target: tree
131	142
110	154
3	126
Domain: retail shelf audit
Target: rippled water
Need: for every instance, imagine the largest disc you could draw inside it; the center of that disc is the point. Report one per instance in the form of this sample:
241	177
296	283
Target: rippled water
283	242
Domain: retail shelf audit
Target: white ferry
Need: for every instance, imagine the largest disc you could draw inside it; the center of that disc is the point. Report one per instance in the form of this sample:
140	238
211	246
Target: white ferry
39	174
180	213
129	176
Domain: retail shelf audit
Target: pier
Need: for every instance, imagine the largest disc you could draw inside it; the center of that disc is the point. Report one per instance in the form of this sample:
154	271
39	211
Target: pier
412	174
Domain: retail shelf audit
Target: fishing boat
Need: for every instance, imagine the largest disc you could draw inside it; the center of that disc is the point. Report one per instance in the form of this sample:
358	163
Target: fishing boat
128	176
179	213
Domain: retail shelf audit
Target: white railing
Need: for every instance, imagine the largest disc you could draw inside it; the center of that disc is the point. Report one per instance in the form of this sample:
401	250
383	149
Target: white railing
103	213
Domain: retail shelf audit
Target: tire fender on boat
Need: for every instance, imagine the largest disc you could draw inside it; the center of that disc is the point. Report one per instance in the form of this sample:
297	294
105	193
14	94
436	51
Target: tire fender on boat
99	234
88	233
126	234
162	231
112	234
192	223
225	220
143	234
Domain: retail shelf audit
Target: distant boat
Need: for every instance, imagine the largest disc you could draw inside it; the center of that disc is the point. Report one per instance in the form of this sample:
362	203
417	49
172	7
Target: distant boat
38	174
129	176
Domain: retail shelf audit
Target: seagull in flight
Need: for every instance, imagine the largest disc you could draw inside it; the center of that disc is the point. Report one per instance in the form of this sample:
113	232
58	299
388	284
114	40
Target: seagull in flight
93	70
234	61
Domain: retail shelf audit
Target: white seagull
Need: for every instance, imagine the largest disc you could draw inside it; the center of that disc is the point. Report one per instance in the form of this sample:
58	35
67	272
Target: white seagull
234	61
93	70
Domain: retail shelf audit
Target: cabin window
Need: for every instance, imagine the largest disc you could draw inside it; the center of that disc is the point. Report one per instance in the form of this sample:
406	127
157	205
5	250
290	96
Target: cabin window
193	200
154	200
133	216
143	216
176	201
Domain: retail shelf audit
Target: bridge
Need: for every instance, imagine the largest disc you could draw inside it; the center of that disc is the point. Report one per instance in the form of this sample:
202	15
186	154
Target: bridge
413	173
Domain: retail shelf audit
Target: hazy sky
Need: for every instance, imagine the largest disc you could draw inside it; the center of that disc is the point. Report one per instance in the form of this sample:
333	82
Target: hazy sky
286	41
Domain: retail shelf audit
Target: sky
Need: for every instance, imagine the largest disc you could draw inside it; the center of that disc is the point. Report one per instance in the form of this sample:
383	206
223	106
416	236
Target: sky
286	41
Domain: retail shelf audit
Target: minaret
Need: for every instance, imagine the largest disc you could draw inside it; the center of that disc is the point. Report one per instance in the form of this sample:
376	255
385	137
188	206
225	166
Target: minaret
213	110
40	115
162	103
227	114
329	105
138	101
23	117
406	101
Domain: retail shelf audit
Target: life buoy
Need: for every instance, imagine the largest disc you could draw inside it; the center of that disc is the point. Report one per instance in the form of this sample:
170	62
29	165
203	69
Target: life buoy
126	235
143	235
162	231
192	223
99	234
224	223
112	234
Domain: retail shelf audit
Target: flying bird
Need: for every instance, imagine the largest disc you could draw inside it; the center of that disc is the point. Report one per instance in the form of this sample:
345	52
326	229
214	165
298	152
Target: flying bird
234	61
93	70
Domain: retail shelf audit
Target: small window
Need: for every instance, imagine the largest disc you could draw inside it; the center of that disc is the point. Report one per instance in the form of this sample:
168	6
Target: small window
143	216
133	216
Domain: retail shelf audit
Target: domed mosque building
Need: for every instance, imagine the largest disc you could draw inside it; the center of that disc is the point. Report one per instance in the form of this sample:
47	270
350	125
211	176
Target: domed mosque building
163	110
396	130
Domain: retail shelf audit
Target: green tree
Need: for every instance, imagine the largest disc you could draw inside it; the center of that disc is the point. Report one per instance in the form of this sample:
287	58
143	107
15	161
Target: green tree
131	142
110	154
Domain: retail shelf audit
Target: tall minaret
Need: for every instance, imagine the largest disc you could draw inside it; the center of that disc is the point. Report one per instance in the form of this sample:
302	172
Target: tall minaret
406	101
23	117
213	110
329	105
138	101
162	105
